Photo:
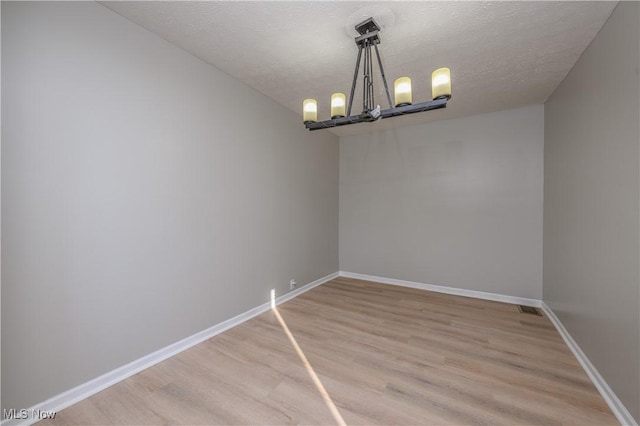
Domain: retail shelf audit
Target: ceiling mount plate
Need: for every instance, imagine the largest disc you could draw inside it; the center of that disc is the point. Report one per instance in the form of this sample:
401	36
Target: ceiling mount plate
383	17
367	26
368	31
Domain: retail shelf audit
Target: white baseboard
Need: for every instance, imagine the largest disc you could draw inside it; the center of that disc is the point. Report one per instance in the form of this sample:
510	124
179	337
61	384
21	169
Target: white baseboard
618	408
448	290
85	390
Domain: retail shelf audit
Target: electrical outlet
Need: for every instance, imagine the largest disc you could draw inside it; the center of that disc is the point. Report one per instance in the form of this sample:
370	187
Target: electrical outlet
292	284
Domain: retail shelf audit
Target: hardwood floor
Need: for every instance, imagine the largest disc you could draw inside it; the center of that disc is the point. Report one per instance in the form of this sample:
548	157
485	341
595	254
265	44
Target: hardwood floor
381	354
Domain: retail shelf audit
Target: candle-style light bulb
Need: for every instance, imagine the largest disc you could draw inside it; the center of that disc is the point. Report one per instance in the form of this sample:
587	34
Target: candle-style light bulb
309	111
402	91
441	84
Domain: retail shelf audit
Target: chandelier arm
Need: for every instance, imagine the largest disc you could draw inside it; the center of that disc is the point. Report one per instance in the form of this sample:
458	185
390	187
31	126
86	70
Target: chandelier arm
413	108
355	79
368	99
387	113
365	79
384	79
370	94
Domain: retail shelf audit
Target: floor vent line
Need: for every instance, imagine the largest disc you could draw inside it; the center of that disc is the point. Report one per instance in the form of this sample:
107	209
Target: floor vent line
529	310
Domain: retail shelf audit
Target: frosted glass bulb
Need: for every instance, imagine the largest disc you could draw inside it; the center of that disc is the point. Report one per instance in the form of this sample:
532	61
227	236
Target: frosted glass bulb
309	111
338	104
441	83
402	91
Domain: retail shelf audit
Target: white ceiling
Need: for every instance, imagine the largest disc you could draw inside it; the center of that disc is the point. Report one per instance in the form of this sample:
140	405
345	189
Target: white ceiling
501	54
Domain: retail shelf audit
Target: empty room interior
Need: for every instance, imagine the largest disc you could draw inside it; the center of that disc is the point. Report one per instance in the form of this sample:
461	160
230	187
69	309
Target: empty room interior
320	212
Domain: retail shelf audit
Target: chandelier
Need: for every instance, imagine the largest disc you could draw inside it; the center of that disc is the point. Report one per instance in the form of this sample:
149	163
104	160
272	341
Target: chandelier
368	31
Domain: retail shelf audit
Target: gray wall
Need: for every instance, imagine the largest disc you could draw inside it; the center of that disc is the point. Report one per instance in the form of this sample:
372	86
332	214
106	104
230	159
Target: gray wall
455	203
145	196
591	203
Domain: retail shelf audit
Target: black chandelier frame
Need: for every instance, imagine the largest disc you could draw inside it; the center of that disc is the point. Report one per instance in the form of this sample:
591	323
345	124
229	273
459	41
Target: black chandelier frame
369	37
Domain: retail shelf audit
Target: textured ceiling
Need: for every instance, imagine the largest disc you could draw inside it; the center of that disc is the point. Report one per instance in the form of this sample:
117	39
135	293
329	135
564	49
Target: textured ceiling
501	54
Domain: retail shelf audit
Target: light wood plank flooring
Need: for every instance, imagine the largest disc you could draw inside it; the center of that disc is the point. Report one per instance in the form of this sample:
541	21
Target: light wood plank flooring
380	354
